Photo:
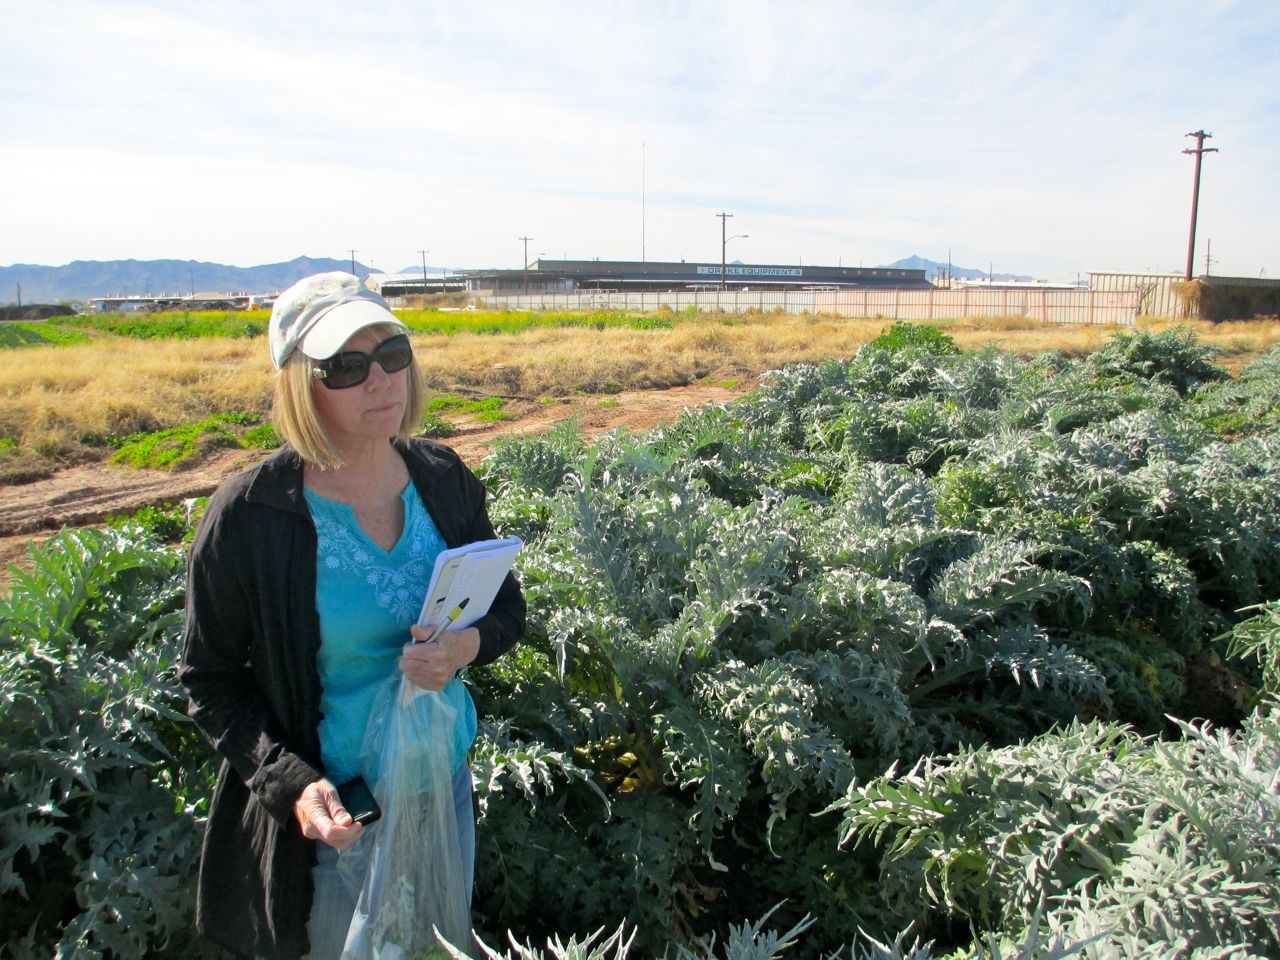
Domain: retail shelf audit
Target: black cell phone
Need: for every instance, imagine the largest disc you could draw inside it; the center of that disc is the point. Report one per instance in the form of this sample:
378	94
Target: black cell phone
359	801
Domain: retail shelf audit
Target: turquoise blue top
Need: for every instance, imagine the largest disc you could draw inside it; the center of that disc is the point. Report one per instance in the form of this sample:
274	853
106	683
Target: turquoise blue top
368	598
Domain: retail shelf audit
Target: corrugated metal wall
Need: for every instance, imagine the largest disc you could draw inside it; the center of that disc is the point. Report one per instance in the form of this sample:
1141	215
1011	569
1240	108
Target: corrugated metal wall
1260	283
1118	307
1155	290
1237	298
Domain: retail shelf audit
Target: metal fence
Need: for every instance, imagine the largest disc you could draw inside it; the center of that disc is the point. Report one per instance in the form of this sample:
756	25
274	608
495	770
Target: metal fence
1156	295
1119	307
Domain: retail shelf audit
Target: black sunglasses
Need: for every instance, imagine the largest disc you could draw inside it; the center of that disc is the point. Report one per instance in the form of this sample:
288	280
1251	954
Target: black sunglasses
352	369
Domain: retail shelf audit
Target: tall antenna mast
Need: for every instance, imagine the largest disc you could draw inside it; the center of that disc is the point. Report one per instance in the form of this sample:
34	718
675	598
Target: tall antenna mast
642	199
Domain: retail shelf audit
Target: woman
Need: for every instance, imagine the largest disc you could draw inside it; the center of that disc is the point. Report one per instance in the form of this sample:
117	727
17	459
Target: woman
305	580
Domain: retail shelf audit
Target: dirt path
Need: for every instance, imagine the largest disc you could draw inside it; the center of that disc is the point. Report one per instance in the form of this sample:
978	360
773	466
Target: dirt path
87	495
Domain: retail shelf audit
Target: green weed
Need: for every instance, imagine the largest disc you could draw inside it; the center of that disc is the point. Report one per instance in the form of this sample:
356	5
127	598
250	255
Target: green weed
14	335
171	448
1228	424
604	386
486	410
262	437
434	425
164	523
184	325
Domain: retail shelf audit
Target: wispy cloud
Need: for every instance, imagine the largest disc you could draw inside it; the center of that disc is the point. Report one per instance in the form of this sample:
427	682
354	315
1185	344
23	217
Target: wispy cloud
1042	137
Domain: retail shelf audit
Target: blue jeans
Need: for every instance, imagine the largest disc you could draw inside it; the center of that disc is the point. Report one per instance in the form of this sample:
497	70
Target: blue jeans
334	902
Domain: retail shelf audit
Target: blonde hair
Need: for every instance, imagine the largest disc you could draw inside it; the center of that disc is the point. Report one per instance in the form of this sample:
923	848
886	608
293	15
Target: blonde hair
294	411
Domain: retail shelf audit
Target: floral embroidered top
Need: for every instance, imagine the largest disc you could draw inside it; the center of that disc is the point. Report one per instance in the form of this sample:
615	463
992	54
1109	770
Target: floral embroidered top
367	599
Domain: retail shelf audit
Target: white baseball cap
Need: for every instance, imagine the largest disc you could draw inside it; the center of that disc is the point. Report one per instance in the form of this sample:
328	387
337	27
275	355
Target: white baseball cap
320	313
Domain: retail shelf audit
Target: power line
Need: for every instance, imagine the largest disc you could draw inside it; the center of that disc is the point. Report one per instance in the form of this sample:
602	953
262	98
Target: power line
724	219
526	261
1199	152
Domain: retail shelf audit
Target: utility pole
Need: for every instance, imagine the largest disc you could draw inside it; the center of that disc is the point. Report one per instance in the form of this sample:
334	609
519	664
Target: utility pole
424	272
724	219
1199	152
526	261
353	264
1208	256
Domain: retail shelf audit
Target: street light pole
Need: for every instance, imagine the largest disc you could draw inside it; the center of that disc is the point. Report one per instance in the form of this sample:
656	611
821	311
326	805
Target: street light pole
723	244
724	218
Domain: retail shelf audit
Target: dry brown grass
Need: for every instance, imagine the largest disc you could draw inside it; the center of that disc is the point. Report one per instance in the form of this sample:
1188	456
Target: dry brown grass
53	397
554	362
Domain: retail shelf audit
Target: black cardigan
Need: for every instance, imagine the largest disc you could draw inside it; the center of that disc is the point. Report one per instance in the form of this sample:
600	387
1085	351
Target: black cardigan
249	669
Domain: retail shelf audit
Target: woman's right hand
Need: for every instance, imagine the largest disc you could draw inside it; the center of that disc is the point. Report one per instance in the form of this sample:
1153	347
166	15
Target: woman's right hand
322	816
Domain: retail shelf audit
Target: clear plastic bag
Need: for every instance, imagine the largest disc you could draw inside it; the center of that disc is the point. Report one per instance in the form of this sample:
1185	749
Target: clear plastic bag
408	865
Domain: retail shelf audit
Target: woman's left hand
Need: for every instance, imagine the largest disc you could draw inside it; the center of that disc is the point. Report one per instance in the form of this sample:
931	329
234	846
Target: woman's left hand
432	665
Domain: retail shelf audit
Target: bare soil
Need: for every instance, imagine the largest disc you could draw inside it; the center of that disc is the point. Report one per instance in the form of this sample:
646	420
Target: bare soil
89	494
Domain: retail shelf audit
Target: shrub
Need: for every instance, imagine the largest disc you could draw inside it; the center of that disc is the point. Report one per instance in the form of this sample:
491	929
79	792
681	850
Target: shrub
1159	849
105	780
1258	639
1174	356
914	336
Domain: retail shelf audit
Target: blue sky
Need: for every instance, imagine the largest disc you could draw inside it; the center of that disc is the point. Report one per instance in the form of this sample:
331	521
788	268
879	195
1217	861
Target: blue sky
1028	137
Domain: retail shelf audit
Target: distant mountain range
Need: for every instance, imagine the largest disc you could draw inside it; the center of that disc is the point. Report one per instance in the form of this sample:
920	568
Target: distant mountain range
81	279
933	268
